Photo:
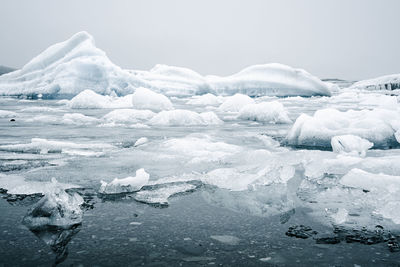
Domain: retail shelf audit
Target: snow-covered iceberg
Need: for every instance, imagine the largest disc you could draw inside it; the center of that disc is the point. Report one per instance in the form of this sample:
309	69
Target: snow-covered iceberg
67	68
125	185
235	103
70	67
387	82
378	126
269	112
269	79
90	99
144	98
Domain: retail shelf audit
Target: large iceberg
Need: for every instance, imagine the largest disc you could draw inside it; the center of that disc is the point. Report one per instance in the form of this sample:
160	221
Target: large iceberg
378	126
67	68
387	82
269	79
70	67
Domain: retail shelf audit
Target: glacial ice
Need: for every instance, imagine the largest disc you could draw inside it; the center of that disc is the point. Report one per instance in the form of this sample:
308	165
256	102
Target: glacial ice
141	141
128	116
90	99
350	144
18	185
268	112
269	79
371	181
377	126
159	196
125	185
387	82
65	69
144	98
55	209
206	100
181	117
235	103
44	146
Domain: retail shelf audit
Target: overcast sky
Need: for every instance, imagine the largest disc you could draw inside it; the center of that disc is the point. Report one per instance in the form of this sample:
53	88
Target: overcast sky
350	39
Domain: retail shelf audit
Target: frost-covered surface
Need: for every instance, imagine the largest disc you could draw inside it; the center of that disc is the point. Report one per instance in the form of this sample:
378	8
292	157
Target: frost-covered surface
125	185
65	69
387	82
377	126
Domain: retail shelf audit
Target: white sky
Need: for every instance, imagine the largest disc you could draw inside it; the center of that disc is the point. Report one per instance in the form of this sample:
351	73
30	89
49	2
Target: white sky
350	39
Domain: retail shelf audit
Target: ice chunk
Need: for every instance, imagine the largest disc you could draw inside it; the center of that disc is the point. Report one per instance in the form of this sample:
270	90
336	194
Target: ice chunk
19	186
55	209
146	99
128	116
371	181
78	118
387	82
160	195
44	146
67	68
181	117
8	114
141	141
174	81
205	100
235	103
377	126
350	144
269	79
269	112
90	99
125	185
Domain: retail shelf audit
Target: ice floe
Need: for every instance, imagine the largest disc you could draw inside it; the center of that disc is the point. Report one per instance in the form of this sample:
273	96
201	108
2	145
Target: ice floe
268	112
8	114
90	99
181	117
387	82
144	98
350	144
377	126
235	103
125	185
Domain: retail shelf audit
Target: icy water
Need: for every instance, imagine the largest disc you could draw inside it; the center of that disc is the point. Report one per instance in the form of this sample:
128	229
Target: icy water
202	205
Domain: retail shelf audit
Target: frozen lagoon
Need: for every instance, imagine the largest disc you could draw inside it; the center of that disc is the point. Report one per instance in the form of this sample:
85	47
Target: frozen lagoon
239	178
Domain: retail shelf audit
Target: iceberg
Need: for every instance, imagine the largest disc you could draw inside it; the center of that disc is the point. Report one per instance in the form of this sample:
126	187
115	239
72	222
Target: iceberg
350	144
269	112
377	126
56	209
206	100
128	116
269	80
68	68
387	82
235	103
65	69
144	98
125	185
7	114
181	117
89	99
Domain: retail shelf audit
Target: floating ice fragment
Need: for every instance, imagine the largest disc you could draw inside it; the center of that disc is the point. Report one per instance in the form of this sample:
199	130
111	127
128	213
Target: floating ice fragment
125	185
144	98
269	112
226	239
350	144
141	141
235	103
